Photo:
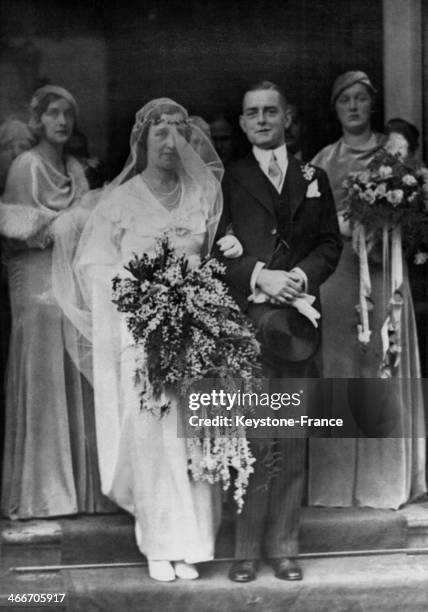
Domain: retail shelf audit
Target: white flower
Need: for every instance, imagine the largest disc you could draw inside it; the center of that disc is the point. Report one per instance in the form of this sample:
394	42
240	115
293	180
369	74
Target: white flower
380	190
385	172
364	176
423	172
369	196
308	172
420	258
395	197
409	179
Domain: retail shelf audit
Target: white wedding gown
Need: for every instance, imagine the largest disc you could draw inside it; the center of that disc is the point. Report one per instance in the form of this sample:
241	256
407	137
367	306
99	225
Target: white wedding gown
143	464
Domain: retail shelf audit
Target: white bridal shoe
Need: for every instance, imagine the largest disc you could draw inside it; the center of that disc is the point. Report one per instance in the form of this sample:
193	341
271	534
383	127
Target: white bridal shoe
161	570
186	571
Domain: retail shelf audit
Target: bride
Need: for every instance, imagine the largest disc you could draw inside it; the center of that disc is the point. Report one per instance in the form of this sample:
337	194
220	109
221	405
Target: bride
165	187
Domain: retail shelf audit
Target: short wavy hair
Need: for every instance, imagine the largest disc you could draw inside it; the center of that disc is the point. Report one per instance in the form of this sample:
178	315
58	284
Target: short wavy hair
40	103
269	86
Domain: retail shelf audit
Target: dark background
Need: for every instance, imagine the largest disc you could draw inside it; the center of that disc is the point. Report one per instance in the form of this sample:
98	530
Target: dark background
203	53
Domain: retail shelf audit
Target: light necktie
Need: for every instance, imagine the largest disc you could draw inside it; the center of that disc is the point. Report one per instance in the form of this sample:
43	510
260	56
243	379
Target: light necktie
275	172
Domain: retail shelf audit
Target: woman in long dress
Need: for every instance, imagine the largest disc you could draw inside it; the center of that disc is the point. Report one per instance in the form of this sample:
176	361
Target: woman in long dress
50	465
15	138
381	473
165	187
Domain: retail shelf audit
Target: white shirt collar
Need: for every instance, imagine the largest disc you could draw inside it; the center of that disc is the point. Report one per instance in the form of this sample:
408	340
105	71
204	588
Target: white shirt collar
263	156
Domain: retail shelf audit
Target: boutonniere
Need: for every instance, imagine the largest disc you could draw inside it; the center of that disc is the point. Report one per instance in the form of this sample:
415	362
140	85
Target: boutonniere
312	190
308	172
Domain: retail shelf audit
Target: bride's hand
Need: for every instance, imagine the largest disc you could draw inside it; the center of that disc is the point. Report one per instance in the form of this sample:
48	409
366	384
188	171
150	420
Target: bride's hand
230	246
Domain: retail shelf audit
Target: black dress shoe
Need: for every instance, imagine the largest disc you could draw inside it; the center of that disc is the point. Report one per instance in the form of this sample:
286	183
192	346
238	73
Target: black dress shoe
286	569
243	571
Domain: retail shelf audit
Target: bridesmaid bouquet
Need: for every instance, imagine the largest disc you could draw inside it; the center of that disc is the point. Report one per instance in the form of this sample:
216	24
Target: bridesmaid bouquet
392	193
187	328
387	205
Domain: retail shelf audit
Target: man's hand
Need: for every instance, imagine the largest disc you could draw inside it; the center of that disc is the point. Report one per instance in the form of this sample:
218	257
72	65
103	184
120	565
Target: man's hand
282	287
297	278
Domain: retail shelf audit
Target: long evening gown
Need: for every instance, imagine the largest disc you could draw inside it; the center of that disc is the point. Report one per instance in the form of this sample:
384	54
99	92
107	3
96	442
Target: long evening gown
142	461
381	473
50	464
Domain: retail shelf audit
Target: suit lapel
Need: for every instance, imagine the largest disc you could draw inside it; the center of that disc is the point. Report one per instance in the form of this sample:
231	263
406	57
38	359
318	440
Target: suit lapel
295	185
256	183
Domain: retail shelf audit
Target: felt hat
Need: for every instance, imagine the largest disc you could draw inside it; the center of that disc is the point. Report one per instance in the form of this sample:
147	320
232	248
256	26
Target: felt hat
284	333
347	79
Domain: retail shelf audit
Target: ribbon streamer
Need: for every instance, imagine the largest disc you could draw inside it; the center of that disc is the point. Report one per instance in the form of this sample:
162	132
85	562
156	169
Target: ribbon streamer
391	329
392	283
360	245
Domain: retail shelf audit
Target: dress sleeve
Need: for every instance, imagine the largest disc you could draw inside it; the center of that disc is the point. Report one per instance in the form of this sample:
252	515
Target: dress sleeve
19	188
23	185
23	217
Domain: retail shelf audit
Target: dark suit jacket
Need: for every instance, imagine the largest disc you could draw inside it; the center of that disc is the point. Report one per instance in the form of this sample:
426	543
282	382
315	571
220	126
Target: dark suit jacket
311	238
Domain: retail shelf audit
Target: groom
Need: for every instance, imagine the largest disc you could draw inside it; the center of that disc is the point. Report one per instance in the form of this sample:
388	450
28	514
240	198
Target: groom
283	213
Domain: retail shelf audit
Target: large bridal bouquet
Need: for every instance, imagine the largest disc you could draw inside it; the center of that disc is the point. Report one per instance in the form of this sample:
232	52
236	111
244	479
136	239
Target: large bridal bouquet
387	205
187	328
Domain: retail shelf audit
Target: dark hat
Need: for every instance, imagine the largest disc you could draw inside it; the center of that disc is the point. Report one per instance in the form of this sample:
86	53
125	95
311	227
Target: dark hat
285	334
347	79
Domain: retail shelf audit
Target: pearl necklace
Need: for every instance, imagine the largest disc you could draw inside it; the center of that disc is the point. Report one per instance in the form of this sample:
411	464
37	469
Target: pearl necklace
168	199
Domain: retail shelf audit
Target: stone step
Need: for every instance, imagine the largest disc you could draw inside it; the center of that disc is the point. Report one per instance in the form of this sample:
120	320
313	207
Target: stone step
416	516
110	538
381	583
